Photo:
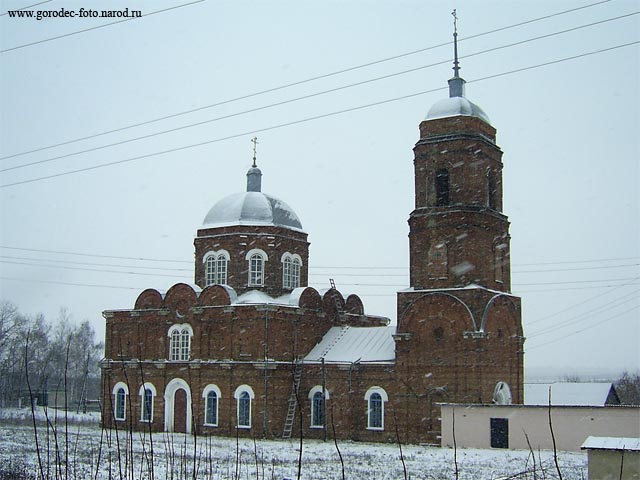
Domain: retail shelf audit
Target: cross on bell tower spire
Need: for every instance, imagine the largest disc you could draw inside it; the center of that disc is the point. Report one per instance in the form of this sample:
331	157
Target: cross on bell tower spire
254	140
456	84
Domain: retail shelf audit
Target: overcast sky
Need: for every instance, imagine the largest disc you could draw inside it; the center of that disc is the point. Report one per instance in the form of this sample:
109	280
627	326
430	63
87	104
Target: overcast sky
569	131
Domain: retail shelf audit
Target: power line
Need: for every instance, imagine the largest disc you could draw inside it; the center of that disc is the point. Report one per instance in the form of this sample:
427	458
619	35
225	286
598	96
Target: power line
581	316
305	97
24	8
97	27
71	284
304	120
70	262
311	79
334	267
590	299
583	329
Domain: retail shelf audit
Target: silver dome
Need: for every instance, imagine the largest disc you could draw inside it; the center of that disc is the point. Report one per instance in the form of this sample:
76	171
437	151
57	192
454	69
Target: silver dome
454	106
251	208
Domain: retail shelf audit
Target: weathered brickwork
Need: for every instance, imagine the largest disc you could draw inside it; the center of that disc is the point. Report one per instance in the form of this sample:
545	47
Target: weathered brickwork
458	333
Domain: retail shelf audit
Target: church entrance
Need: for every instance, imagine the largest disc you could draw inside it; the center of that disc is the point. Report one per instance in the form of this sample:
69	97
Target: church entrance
180	411
177	406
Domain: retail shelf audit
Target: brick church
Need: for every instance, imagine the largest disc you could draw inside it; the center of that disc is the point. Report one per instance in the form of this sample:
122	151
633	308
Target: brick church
252	350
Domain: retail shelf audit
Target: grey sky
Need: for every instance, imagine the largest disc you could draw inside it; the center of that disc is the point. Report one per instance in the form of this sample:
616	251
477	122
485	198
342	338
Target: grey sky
569	132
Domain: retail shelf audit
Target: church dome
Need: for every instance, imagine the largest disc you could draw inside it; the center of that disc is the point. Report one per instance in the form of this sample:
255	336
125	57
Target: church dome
251	208
454	106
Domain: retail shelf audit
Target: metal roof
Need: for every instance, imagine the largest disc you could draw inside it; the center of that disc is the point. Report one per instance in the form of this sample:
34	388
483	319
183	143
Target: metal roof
567	393
611	443
355	345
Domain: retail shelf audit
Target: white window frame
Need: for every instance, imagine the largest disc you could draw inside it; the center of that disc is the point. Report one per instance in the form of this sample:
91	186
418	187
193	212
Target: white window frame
116	389
180	342
143	388
216	265
256	274
238	395
384	398
312	394
205	394
291	267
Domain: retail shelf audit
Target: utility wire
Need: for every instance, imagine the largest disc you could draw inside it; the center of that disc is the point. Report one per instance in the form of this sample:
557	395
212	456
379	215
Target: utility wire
581	316
71	284
305	97
24	8
84	254
63	267
40	260
570	307
308	119
583	329
97	27
300	82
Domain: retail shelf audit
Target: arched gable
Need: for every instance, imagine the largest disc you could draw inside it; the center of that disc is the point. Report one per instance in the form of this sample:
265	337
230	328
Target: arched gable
354	305
436	310
148	299
217	295
306	297
502	312
180	298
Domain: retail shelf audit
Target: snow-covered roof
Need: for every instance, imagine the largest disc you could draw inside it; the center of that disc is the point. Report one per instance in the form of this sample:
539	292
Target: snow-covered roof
612	443
251	208
355	344
567	393
454	106
257	297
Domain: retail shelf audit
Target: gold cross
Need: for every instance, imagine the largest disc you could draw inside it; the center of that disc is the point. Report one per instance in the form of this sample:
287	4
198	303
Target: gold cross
254	140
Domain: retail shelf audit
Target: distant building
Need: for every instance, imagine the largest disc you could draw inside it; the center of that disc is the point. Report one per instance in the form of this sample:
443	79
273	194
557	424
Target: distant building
251	349
571	393
613	458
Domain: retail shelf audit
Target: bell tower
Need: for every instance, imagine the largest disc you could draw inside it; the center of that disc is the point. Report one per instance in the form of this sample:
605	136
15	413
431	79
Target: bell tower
459	235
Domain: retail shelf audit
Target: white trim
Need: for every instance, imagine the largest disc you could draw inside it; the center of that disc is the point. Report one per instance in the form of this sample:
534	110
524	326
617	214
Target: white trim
214	253
259	251
141	391
180	327
169	401
318	388
239	391
384	397
116	388
315	390
205	393
292	256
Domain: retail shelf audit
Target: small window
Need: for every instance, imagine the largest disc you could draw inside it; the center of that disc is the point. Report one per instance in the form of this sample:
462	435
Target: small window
376	398
244	395
318	397
437	261
257	259
180	342
147	392
442	187
291	271
491	187
216	268
499	432
120	392
212	396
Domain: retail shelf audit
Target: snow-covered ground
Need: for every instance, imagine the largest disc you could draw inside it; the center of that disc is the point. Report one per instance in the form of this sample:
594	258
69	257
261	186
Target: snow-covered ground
129	455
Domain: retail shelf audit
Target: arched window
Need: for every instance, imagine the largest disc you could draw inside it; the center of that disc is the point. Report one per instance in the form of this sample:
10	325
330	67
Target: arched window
180	343
216	267
437	262
318	406
120	392
291	270
491	188
243	395
212	396
256	258
147	392
442	187
376	398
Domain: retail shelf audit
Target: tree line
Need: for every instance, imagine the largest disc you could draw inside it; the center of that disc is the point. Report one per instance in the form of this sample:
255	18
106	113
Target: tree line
61	359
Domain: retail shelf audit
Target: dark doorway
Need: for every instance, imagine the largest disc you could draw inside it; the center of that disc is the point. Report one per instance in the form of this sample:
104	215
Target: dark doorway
180	411
499	433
